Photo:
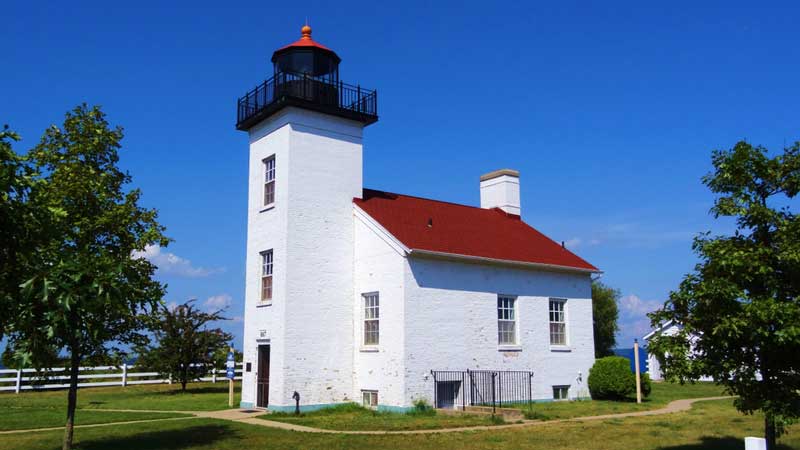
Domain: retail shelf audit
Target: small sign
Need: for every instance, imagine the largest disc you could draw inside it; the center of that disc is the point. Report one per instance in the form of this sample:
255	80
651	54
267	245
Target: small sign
230	364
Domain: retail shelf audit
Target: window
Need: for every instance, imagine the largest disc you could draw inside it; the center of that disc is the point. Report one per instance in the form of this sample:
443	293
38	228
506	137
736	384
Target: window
558	322
506	320
560	392
266	276
269	181
369	399
371	319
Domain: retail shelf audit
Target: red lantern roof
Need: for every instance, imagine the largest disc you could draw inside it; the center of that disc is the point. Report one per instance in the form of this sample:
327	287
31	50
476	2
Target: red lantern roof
305	41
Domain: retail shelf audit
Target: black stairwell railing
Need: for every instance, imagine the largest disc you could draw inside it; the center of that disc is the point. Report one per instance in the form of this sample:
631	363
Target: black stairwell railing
493	388
323	93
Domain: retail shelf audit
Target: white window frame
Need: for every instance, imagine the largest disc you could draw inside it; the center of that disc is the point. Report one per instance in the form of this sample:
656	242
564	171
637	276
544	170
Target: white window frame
371	314
369	398
558	390
269	168
267	268
507	316
552	319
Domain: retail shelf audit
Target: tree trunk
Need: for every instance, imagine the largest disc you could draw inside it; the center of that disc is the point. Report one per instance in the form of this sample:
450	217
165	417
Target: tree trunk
72	398
769	432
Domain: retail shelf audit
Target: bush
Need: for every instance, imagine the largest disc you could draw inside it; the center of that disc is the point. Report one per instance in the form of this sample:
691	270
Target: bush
611	379
647	385
422	408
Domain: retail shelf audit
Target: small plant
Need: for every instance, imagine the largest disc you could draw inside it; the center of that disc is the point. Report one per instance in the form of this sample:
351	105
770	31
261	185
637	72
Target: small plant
611	379
422	408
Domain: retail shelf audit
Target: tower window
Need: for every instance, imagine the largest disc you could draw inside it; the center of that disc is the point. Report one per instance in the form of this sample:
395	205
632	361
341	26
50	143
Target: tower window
506	320
269	181
371	319
266	276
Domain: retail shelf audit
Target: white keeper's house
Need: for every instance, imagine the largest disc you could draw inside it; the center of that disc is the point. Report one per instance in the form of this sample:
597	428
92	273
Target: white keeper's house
358	295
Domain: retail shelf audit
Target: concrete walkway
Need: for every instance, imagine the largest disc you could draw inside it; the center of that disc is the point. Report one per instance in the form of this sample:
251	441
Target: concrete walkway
250	417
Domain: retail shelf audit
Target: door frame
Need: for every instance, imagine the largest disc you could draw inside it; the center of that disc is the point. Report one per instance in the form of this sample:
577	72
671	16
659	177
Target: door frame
262	393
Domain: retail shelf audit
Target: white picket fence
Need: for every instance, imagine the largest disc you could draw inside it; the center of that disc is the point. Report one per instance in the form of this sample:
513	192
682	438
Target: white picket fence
124	375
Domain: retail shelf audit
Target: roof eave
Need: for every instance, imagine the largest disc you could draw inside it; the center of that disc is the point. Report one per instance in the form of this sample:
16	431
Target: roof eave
505	262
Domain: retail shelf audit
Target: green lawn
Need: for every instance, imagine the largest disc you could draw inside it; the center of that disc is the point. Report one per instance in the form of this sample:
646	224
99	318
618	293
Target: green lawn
161	397
27	418
709	426
355	417
44	409
662	394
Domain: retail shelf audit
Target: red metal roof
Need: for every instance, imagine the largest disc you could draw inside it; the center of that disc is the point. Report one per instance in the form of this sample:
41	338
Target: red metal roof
305	41
442	227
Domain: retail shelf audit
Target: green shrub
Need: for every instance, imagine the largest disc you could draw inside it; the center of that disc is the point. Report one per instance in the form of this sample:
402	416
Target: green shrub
611	378
647	385
422	408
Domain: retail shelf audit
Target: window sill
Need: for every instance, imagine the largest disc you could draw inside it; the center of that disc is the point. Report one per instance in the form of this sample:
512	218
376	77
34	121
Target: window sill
267	208
369	349
560	348
509	348
262	304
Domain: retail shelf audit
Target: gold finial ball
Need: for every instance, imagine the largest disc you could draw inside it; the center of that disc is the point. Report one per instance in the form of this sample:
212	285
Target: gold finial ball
306	30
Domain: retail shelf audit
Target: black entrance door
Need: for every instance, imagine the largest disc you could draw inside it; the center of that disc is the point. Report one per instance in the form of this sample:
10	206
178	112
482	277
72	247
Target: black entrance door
262	377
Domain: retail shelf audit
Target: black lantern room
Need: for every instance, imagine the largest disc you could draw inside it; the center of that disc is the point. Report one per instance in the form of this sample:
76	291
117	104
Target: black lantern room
309	58
306	75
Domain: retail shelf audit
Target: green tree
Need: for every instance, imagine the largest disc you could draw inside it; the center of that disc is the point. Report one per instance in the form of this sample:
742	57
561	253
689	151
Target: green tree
17	224
741	302
87	294
604	315
186	349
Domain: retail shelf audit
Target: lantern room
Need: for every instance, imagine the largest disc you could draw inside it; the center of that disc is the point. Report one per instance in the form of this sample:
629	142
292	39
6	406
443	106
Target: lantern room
305	74
307	57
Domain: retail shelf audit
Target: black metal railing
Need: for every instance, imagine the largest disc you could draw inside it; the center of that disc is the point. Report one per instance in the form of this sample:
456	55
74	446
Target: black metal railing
481	388
314	92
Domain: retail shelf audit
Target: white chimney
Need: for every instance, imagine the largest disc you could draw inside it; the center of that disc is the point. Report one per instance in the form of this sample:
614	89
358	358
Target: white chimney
500	189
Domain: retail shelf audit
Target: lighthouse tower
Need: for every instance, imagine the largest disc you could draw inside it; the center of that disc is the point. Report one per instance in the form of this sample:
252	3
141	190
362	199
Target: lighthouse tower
305	130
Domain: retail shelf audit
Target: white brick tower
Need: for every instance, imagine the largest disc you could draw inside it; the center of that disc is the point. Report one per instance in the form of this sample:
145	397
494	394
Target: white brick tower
305	128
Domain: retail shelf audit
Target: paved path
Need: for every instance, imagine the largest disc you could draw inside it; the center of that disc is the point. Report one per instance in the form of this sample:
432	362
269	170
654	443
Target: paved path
250	417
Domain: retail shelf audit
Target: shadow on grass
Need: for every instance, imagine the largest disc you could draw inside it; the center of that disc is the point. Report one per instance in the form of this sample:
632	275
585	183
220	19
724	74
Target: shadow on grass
195	390
176	439
715	443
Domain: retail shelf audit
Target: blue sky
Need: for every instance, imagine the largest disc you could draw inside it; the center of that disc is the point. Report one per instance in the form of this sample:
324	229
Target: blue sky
610	112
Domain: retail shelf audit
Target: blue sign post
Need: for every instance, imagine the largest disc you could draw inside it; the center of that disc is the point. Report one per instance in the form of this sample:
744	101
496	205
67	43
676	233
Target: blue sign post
230	374
231	366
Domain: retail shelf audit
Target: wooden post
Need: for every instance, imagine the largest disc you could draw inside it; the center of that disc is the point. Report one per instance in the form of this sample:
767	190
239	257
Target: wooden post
124	374
638	377
19	381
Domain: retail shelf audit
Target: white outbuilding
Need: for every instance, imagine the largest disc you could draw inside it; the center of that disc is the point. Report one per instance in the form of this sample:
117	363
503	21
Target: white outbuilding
381	298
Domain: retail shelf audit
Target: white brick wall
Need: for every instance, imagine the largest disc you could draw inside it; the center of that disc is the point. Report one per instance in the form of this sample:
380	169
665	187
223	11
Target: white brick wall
309	323
451	324
379	268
